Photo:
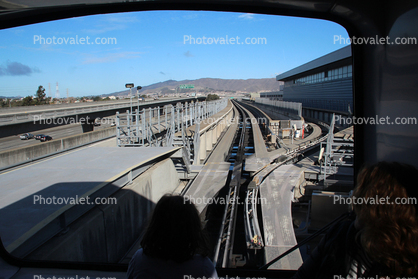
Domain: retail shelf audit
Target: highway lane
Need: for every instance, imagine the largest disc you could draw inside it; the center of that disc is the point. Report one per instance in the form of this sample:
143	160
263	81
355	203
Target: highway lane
27	109
13	142
24	109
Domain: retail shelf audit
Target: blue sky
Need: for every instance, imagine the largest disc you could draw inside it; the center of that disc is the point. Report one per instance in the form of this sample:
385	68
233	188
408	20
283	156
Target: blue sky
150	48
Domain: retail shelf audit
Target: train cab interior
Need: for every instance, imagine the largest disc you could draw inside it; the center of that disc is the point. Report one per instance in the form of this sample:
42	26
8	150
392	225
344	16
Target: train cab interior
385	84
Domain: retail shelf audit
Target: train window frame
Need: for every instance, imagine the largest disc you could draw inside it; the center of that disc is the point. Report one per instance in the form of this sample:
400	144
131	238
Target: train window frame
146	6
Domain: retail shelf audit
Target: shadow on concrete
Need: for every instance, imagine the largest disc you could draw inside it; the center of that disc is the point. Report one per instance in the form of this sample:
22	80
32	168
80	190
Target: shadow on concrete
49	224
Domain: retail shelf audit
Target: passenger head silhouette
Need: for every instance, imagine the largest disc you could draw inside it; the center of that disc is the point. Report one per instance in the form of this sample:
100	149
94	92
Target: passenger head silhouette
174	231
388	222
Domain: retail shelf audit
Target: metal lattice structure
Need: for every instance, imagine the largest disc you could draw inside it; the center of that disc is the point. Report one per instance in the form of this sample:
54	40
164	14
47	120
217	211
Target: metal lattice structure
337	153
158	126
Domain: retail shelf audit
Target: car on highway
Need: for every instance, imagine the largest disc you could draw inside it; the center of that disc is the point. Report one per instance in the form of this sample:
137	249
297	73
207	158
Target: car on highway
45	138
26	136
38	137
97	121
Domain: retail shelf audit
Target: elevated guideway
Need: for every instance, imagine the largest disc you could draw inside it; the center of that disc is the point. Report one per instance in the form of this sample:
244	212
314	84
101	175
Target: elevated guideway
260	156
260	148
91	172
276	195
274	184
287	146
214	173
86	173
278	122
39	200
224	145
242	136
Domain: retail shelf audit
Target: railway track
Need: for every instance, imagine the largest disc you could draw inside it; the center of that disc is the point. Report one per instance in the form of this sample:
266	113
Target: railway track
240	236
224	250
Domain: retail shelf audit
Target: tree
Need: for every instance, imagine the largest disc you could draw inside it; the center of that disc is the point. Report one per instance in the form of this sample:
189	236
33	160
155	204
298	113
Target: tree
5	103
27	101
40	94
212	97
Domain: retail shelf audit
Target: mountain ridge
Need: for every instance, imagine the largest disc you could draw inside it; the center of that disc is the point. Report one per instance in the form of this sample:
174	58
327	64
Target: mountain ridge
210	84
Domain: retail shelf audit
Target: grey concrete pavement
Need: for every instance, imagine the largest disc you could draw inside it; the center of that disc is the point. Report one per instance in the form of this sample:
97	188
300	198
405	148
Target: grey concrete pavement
78	173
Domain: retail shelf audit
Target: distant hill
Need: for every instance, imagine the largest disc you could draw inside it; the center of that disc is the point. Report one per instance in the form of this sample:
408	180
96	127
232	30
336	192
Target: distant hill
14	97
210	84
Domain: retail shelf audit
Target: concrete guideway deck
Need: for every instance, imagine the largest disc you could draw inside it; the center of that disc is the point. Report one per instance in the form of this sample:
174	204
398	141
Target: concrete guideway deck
221	150
255	162
207	184
276	193
259	144
274	120
213	176
206	179
214	173
72	176
260	157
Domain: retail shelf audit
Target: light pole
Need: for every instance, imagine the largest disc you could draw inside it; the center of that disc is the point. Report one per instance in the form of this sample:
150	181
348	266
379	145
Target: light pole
130	85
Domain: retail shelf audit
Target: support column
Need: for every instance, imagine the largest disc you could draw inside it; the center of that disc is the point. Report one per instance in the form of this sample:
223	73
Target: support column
209	143
159	123
202	149
128	123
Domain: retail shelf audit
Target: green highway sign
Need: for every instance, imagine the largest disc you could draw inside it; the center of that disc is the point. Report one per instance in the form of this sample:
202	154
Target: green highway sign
186	86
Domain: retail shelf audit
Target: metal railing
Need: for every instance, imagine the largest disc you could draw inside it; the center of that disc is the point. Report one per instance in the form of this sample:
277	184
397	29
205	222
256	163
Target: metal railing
157	126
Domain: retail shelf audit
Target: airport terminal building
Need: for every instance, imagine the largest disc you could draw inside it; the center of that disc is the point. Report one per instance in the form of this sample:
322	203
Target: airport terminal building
274	95
323	83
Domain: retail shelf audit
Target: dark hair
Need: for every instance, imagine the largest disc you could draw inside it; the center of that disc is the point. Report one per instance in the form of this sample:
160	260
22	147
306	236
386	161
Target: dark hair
174	231
389	231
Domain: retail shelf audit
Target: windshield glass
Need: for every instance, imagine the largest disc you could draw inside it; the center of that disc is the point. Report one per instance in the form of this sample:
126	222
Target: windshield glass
95	110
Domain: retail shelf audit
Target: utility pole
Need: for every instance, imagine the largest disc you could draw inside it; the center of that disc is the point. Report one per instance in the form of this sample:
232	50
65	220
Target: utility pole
57	93
49	92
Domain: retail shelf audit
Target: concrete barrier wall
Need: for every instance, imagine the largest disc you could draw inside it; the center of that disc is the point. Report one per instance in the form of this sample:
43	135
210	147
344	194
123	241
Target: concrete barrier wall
283	106
20	155
84	138
275	112
106	233
210	135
